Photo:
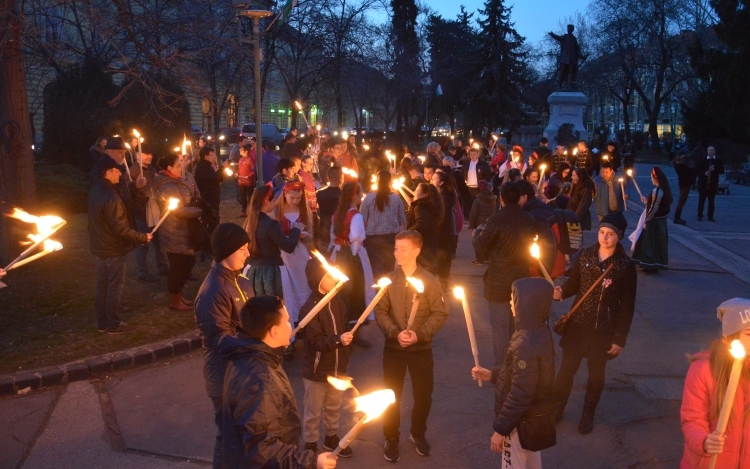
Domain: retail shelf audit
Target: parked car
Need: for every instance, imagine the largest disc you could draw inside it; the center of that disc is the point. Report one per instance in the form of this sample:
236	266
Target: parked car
741	175
270	131
229	135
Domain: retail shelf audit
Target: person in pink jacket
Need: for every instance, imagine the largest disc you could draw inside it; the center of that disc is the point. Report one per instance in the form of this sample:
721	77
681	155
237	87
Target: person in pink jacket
705	386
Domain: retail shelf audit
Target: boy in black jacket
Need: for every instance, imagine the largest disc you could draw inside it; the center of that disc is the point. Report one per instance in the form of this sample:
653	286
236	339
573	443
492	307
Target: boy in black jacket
524	384
327	352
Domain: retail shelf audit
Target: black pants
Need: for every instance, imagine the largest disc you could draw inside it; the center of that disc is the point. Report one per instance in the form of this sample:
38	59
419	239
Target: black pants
444	261
420	365
571	361
684	192
380	252
180	266
245	194
702	195
353	292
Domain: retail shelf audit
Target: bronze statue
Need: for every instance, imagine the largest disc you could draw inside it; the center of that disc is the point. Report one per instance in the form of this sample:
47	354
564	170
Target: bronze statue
570	55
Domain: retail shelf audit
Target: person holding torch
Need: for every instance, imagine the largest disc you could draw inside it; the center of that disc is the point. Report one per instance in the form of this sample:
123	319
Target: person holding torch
409	348
715	398
260	422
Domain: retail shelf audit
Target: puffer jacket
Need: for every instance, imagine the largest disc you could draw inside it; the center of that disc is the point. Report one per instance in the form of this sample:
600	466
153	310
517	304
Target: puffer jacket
110	234
528	377
392	312
606	314
174	233
506	239
325	355
483	207
261	425
697	423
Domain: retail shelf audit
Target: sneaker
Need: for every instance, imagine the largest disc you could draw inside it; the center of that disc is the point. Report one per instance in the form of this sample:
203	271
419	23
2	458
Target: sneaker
390	452
477	262
423	448
312	447
122	327
101	329
148	278
332	442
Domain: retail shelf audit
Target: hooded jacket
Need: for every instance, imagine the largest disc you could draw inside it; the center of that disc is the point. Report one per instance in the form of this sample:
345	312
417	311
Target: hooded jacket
174	233
483	207
260	421
325	355
528	377
110	234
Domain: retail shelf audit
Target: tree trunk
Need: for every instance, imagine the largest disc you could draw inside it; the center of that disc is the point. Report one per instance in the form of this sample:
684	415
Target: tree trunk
653	131
17	185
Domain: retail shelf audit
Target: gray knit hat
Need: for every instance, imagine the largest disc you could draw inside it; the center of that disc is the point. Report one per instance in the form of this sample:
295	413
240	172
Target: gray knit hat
734	315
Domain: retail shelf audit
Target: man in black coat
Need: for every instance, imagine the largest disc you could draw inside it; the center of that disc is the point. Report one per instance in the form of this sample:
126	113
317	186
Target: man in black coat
684	166
505	241
709	170
544	157
111	238
260	420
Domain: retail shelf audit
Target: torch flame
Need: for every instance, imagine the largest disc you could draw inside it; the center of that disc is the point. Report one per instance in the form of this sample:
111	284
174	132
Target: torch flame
172	203
176	149
375	403
421	158
605	157
630	172
349	172
52	246
333	271
127	145
737	350
184	144
228	171
366	147
345	135
475	146
317	126
45	224
340	384
494	137
383	282
299	106
396	184
135	132
543	167
416	283
459	293
620	179
535	248
575	151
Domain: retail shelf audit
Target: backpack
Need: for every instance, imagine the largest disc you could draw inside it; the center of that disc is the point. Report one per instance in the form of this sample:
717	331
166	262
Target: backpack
569	228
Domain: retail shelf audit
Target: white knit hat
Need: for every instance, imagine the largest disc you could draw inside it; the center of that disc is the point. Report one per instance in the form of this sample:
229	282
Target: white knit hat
734	315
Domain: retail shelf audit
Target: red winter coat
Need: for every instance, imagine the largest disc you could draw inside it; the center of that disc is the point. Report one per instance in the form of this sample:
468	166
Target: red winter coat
696	424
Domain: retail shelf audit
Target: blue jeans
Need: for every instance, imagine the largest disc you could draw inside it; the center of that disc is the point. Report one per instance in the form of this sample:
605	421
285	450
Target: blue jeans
503	326
214	369
110	280
141	252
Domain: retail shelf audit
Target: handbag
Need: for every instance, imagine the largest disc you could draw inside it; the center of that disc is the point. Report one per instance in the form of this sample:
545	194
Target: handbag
537	428
562	323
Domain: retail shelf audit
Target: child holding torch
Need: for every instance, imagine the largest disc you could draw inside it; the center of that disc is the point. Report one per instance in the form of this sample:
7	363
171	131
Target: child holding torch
327	352
717	394
524	385
409	348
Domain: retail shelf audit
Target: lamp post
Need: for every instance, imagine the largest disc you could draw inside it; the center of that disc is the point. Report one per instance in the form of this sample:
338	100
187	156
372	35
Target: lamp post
256	15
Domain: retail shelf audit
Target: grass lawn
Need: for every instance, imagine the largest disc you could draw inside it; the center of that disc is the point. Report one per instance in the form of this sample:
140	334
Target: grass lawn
47	311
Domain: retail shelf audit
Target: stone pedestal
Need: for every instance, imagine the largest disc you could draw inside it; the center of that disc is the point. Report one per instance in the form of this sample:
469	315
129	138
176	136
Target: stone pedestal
566	107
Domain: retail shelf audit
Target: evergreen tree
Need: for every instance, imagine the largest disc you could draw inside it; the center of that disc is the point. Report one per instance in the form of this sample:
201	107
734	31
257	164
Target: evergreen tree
406	51
498	69
723	109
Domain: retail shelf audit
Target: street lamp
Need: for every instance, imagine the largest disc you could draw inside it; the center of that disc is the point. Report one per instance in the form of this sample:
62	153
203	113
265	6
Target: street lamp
256	15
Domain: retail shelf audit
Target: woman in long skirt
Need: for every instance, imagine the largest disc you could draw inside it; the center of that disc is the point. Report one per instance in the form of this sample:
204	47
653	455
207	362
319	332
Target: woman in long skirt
652	248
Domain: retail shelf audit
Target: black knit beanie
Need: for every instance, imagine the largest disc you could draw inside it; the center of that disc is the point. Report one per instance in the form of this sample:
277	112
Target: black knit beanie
615	221
226	239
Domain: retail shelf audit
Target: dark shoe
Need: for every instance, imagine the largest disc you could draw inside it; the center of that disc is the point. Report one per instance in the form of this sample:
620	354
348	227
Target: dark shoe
312	447
711	219
477	262
185	301
148	278
101	329
176	304
122	327
587	423
679	221
330	443
390	453
423	448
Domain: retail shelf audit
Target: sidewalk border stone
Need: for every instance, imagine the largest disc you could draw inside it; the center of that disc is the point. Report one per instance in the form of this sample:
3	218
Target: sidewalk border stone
100	365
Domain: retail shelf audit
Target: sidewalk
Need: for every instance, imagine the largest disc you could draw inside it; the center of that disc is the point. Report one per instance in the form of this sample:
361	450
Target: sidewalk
160	417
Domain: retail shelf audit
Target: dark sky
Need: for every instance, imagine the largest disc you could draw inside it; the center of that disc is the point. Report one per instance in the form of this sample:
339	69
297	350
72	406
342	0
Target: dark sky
533	18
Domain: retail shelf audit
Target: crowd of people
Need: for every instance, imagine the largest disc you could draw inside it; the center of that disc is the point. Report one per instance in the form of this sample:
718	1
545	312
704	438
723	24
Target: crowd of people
323	194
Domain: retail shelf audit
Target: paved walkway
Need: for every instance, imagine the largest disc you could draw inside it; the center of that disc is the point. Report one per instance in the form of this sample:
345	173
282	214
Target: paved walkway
160	417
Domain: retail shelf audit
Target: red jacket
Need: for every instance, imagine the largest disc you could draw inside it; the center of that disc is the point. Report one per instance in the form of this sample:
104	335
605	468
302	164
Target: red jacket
696	424
246	170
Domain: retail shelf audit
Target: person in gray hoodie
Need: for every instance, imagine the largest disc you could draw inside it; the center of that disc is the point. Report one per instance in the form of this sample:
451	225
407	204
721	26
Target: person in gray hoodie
525	383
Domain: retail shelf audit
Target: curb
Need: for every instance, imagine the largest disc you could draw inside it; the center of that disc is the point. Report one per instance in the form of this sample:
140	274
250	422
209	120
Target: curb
98	366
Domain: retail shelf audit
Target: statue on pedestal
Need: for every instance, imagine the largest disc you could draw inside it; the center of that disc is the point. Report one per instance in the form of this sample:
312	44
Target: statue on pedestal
570	55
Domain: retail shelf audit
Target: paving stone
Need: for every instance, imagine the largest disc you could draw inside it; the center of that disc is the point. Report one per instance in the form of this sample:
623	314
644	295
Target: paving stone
163	351
100	365
51	376
77	371
143	357
121	361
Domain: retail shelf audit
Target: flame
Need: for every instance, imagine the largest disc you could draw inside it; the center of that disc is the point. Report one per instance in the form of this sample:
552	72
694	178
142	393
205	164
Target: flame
402	179
630	172
605	157
535	253
621	180
333	271
127	145
471	140
475	146
396	184
575	151
543	167
342	384
375	403
52	246
737	350
383	283
416	283
459	292
317	126
176	149
366	147
494	137
422	158
228	171
172	203
299	106
373	178
184	144
345	135
349	172
453	137
45	224
135	132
